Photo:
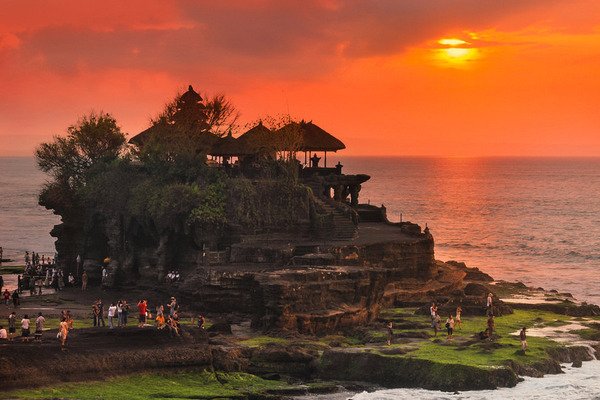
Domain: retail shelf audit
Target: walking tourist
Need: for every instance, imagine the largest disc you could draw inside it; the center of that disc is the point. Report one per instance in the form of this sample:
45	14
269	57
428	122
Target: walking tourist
63	332
433	311
523	337
490	302
15	298
125	307
173	307
390	333
119	313
6	297
84	281
101	312
436	324
458	317
450	327
39	327
25	326
95	314
12	325
111	314
142	308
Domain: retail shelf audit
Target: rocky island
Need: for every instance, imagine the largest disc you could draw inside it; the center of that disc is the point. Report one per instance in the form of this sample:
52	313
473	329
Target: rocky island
297	277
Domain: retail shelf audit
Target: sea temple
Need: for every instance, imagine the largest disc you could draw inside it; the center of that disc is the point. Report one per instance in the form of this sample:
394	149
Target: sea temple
279	234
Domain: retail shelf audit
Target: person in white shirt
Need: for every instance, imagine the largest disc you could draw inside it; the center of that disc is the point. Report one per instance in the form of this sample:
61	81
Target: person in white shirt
39	327
25	326
111	314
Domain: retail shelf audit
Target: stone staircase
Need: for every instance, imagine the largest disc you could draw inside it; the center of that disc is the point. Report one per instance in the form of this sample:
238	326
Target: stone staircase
343	226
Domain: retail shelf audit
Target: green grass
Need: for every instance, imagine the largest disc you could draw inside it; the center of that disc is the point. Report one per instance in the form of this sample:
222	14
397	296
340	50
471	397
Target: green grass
260	341
11	269
183	385
481	353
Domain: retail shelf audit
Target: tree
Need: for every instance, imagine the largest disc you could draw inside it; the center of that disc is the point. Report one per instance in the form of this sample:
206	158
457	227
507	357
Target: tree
95	138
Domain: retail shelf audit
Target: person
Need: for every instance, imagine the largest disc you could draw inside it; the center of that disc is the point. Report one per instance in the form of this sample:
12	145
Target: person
523	337
433	311
142	308
15	298
173	324
458	317
160	321
6	297
27	262
436	324
12	325
390	333
201	321
100	312
314	161
31	286
490	326
84	281
104	275
173	307
490	301
450	327
63	332
19	284
125	307
71	280
25	326
111	314
39	327
119	313
3	333
95	314
1	257
1	282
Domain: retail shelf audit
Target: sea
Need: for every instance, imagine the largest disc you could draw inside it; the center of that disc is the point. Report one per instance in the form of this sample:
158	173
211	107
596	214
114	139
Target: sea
533	220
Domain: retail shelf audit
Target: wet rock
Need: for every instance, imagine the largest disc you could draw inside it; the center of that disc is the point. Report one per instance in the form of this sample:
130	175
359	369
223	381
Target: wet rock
390	371
220	327
577	364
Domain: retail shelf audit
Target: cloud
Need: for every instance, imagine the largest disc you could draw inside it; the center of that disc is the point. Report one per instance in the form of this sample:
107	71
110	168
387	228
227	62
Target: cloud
277	39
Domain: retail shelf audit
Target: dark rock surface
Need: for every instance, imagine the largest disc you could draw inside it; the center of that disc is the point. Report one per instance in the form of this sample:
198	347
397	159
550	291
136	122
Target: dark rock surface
389	371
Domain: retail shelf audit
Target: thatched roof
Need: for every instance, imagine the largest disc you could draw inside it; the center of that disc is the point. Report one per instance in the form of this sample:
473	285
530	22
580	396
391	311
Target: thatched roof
259	139
146	134
227	146
306	136
189	112
171	132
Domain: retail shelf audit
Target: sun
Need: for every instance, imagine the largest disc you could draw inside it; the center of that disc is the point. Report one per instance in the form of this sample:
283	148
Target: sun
455	53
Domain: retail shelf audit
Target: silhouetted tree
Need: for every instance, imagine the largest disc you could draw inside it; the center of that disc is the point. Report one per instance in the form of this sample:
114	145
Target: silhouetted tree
94	138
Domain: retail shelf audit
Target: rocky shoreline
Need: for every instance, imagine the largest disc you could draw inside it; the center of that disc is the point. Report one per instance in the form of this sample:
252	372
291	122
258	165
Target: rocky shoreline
354	358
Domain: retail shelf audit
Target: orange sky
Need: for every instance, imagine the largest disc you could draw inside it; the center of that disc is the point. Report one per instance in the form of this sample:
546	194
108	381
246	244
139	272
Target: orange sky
526	82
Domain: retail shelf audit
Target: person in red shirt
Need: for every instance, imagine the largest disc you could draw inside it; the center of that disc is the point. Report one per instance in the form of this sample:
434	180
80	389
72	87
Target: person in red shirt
142	308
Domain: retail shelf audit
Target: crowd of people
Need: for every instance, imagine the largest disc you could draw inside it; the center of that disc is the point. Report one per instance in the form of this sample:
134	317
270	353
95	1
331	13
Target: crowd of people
11	333
164	317
117	316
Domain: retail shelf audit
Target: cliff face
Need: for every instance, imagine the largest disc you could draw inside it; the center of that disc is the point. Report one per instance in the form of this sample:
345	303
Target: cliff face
313	299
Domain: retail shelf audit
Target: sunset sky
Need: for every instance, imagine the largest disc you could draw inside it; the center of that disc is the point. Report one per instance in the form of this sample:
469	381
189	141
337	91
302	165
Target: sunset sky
388	77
